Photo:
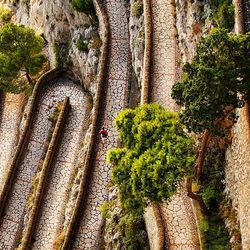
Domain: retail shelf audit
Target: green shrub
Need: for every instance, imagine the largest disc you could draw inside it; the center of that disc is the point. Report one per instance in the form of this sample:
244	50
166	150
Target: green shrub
212	228
213	233
86	6
5	14
223	13
61	55
82	45
137	8
155	156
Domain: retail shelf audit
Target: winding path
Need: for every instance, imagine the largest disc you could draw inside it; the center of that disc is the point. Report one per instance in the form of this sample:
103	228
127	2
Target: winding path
164	64
88	233
11	111
177	216
12	221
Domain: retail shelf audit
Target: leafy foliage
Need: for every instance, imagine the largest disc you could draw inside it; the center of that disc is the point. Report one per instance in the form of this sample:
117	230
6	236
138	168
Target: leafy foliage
223	13
213	230
61	51
20	52
86	6
155	156
82	45
129	227
212	82
5	14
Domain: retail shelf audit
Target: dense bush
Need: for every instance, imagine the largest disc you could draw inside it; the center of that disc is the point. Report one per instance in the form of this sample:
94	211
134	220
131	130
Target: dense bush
155	156
61	51
223	13
5	14
213	230
215	82
82	44
86	6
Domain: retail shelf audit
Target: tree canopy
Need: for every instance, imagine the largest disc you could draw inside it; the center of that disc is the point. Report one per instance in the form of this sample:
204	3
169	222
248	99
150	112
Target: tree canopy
20	54
86	6
155	155
216	82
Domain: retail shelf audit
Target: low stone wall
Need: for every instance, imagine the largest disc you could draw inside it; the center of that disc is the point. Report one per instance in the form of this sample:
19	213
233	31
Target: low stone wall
29	227
147	52
237	174
24	138
154	227
152	216
103	19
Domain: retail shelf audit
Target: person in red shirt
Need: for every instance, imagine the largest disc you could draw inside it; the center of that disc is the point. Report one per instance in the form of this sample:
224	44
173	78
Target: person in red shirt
104	134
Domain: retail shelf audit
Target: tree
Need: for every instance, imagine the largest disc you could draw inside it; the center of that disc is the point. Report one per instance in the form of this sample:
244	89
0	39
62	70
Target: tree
20	54
155	155
214	84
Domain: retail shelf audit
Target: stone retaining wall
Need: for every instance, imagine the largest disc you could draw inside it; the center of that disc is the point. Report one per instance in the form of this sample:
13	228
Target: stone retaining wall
237	171
29	227
147	52
103	19
24	138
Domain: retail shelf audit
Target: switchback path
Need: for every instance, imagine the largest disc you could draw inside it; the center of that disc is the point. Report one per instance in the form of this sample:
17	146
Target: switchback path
116	86
177	217
12	221
11	111
54	199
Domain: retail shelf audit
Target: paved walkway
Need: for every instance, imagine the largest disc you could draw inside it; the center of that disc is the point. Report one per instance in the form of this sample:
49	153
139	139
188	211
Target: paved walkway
181	231
11	110
164	53
87	236
52	202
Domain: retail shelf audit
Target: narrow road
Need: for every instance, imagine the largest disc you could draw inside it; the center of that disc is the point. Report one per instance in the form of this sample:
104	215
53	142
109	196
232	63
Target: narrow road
54	199
178	217
164	58
11	111
11	224
116	93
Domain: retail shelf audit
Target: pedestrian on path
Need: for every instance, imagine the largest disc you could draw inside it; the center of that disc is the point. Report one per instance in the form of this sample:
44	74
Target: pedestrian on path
104	134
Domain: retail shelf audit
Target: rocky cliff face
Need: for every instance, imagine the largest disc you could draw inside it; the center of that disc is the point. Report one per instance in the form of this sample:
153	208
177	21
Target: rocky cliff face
60	24
192	21
137	44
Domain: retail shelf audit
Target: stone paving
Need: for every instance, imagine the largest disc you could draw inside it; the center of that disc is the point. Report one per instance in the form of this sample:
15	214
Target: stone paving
87	236
180	226
164	52
11	110
10	226
179	223
237	174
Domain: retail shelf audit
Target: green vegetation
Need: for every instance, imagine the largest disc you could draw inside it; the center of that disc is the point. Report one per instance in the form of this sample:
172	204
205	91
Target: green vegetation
223	13
155	156
5	14
216	82
137	8
128	227
20	55
86	6
61	51
212	228
82	44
